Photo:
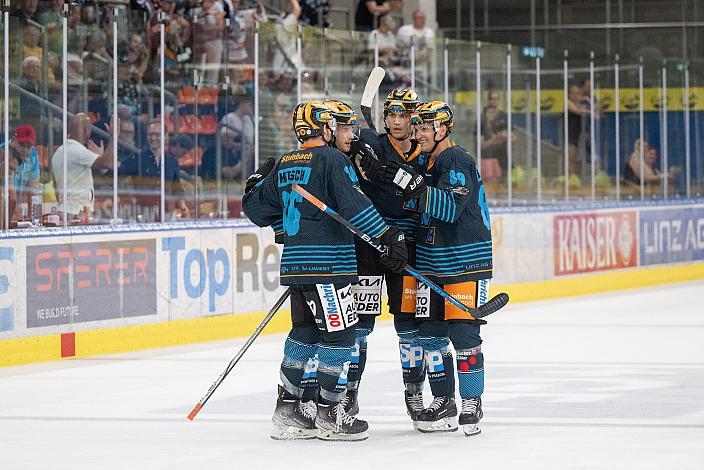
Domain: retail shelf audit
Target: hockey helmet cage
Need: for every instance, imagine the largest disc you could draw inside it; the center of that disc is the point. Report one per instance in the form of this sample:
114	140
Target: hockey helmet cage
309	119
436	112
401	99
342	112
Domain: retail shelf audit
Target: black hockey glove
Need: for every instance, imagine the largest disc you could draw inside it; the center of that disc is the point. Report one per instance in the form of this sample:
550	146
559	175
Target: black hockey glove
259	174
396	255
365	160
403	176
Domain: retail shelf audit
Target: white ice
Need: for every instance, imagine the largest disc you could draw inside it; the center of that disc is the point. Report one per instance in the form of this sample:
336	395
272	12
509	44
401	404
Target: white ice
611	381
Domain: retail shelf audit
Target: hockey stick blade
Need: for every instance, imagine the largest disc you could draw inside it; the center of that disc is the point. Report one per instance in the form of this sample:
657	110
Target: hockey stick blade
474	313
494	304
372	86
370	90
196	409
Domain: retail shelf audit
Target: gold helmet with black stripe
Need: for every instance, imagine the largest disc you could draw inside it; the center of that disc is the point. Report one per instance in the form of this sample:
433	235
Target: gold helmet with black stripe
401	99
436	112
310	119
342	112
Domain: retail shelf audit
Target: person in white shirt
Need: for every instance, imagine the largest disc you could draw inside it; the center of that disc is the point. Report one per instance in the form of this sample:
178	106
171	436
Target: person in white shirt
424	37
82	155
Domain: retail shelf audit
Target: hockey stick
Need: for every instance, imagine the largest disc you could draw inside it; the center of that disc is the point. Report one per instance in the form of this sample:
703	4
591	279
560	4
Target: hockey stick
496	302
370	90
239	355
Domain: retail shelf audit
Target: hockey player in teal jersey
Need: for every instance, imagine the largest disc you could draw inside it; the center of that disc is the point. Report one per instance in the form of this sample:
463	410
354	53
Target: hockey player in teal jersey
454	250
373	154
318	264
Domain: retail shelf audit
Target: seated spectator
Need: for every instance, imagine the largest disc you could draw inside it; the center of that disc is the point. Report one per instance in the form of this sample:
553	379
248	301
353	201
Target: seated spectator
51	19
494	139
369	13
30	42
145	167
230	154
209	31
30	108
241	121
27	173
423	36
241	21
13	164
652	175
389	58
315	12
27	11
284	60
82	156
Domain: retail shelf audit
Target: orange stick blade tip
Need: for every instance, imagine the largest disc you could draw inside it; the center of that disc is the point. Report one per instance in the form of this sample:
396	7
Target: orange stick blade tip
194	411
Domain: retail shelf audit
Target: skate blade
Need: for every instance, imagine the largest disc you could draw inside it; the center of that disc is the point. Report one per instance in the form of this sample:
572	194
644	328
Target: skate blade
330	435
448	424
471	429
283	432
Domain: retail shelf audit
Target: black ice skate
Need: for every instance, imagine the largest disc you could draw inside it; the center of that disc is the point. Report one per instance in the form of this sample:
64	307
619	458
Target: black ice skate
471	415
334	424
349	402
440	416
414	405
293	419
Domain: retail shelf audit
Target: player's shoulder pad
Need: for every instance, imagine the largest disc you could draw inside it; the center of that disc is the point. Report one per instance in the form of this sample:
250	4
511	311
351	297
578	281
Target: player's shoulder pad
457	155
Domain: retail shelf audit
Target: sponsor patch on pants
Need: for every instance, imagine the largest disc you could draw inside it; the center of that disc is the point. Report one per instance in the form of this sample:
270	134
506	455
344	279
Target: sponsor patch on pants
338	306
367	295
472	294
422	300
408	296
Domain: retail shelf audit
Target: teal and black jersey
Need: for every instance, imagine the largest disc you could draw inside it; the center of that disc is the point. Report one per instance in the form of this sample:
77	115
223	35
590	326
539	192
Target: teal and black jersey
388	199
317	249
454	237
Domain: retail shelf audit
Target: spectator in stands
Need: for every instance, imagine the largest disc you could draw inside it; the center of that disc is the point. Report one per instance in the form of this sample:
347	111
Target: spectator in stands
127	132
27	173
284	60
370	12
652	176
51	19
586	89
13	164
315	12
30	42
230	154
422	35
30	81
241	21
27	11
138	57
388	52
82	156
494	139
209	44
89	19
241	121
575	113
146	166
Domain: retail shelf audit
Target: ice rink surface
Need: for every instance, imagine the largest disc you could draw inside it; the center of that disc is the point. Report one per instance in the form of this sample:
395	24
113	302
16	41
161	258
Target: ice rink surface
611	381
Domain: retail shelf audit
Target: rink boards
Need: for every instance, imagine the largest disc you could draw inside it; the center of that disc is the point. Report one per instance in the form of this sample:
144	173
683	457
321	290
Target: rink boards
83	291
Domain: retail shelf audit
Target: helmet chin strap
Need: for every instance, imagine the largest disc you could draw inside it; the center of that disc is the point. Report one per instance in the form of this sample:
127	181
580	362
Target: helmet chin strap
332	140
437	142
